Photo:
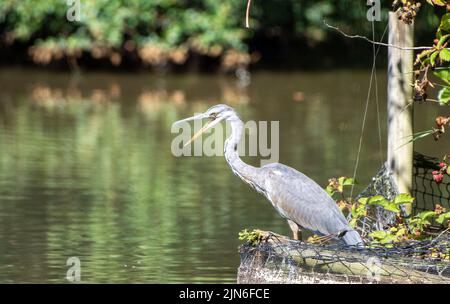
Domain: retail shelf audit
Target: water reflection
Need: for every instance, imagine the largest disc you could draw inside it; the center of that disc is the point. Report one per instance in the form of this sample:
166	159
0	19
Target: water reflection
86	169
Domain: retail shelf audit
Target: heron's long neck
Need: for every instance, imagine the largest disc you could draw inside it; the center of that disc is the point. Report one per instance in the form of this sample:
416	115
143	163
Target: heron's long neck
246	172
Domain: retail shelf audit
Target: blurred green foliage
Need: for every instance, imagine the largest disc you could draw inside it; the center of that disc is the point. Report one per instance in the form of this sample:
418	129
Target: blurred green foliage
162	31
155	29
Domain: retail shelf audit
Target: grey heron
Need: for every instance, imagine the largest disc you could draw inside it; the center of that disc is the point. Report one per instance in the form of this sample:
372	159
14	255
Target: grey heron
296	197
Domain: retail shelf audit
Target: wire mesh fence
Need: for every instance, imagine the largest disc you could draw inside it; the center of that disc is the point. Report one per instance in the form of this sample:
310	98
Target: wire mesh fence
277	259
427	192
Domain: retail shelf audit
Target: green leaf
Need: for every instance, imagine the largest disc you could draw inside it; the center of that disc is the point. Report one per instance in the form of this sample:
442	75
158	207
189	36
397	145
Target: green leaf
401	232
442	40
443	217
403	198
426	215
425	62
388	239
378	200
391	207
445	22
444	95
445	55
385	204
437	2
340	187
363	200
345	181
383	237
348	181
433	58
443	74
353	211
378	234
330	190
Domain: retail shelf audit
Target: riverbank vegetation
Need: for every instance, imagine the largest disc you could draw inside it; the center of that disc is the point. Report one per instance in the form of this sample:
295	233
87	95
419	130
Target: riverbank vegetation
172	34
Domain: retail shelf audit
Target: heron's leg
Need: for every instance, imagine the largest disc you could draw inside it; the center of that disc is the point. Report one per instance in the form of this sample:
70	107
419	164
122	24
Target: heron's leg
295	230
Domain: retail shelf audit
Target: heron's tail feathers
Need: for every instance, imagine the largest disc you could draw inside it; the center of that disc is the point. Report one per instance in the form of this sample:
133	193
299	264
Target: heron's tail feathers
352	238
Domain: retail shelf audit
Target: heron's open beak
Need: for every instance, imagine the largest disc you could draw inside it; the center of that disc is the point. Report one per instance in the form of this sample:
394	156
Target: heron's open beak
208	125
199	116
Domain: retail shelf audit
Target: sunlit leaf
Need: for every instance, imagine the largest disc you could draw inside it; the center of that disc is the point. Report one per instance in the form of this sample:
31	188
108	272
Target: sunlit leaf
388	239
391	207
445	55
443	74
346	181
379	234
445	22
444	95
442	40
401	232
433	58
377	200
426	215
403	198
363	200
437	2
330	190
443	217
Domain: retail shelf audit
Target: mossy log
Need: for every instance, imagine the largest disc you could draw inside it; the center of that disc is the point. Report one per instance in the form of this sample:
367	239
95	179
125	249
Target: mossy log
276	260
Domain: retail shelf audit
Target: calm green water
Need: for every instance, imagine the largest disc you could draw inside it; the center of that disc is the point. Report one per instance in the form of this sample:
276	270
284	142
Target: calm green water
86	169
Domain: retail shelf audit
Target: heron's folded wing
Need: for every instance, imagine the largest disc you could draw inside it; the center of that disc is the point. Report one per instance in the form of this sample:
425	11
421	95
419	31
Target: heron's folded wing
299	198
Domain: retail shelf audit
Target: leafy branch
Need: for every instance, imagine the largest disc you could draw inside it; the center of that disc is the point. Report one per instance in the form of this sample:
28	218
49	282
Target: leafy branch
435	58
403	229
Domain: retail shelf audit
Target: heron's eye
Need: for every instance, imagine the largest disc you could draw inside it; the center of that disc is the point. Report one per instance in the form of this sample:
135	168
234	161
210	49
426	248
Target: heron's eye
213	115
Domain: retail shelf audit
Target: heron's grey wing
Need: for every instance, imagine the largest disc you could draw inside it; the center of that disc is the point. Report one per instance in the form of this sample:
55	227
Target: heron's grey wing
302	200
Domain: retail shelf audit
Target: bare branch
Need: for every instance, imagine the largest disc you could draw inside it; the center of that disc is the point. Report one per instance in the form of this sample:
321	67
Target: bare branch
376	42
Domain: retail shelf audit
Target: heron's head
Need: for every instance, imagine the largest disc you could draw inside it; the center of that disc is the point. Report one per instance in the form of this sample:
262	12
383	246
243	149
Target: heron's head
215	114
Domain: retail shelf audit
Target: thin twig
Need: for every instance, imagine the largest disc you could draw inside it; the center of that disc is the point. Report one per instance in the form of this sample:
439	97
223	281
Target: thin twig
440	234
437	101
374	67
378	43
375	53
247	13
